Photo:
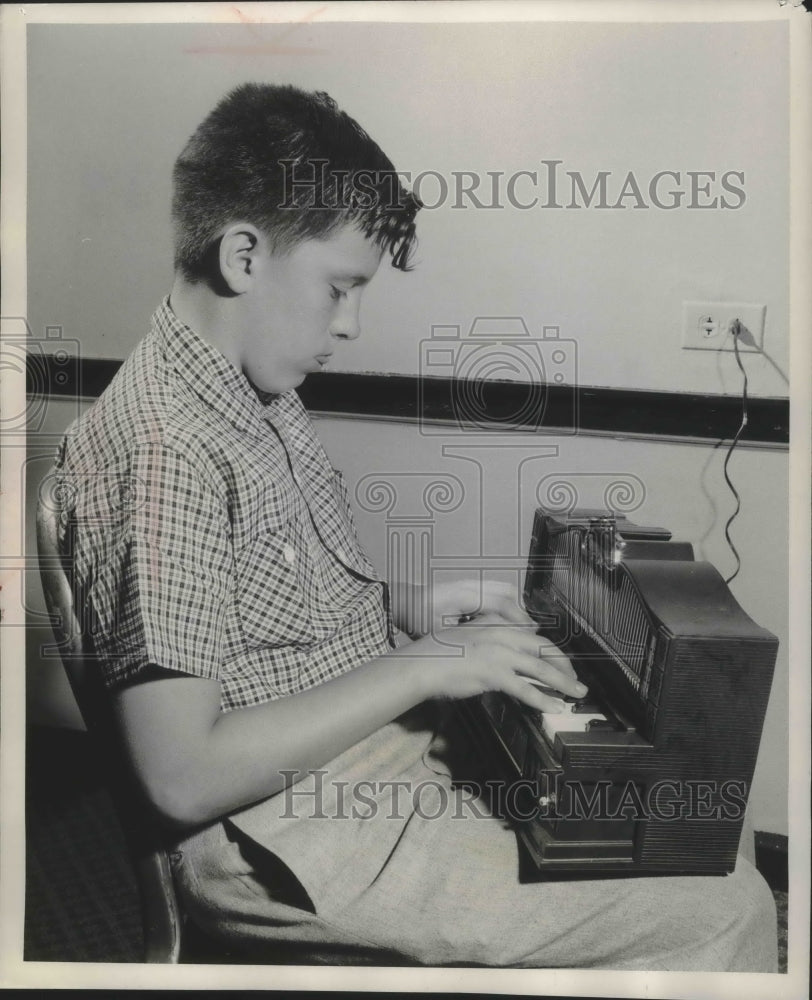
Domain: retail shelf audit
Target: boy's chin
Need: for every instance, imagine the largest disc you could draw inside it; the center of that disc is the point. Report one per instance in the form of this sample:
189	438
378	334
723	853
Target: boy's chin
271	389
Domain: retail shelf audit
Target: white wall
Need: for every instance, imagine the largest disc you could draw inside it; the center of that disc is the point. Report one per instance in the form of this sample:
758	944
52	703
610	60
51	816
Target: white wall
110	108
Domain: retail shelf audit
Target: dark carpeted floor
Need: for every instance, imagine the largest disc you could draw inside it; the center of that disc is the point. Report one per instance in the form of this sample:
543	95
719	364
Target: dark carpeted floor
81	899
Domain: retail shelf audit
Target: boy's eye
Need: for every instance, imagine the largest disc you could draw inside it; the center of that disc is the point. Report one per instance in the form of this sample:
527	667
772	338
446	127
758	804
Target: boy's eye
335	293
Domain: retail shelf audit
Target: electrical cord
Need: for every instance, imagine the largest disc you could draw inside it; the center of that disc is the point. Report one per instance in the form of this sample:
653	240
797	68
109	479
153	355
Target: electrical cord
736	331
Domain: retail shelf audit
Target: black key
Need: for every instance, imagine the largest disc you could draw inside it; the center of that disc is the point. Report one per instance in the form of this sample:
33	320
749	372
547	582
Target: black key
600	724
586	706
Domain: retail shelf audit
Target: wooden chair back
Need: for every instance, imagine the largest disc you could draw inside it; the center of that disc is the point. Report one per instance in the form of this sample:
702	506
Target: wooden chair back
161	914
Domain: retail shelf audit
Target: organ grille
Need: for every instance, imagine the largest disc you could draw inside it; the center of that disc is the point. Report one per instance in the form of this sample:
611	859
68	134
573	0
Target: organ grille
598	595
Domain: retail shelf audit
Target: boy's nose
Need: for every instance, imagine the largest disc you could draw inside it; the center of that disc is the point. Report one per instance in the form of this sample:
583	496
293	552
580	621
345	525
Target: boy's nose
346	324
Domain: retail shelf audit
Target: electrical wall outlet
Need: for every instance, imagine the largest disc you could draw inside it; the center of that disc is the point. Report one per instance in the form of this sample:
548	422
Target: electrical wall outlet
708	326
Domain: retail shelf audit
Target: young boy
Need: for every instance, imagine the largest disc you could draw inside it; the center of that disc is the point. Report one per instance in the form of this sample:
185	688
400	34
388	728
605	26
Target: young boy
246	641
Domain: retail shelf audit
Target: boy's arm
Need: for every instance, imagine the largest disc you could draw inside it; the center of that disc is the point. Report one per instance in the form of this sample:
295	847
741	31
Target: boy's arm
196	763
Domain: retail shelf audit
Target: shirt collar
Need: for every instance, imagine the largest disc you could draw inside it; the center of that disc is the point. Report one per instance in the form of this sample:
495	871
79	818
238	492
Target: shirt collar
210	373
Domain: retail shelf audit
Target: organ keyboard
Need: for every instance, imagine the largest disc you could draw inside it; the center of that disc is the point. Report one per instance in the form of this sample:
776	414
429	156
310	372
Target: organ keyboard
650	772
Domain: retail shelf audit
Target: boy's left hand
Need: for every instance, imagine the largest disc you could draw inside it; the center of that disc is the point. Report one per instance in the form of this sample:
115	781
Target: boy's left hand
466	599
421	610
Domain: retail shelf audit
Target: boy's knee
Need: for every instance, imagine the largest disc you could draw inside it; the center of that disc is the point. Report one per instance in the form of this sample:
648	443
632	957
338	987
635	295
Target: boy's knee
723	924
744	921
752	896
758	903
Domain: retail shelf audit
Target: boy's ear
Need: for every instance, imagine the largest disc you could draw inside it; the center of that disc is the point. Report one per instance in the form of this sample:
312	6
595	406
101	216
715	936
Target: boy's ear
238	248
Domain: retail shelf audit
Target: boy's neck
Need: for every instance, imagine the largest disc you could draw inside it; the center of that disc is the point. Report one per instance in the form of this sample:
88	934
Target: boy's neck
211	316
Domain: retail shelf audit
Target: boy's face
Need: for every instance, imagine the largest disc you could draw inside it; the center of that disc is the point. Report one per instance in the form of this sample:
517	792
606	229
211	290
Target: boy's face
301	303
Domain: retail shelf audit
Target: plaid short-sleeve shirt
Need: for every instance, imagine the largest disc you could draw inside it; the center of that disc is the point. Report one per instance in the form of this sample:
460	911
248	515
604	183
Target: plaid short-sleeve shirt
208	531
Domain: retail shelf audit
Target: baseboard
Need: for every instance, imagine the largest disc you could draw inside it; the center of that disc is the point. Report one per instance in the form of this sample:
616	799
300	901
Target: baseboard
771	859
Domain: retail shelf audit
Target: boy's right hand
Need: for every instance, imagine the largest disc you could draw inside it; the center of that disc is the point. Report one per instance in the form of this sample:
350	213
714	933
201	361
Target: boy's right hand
492	654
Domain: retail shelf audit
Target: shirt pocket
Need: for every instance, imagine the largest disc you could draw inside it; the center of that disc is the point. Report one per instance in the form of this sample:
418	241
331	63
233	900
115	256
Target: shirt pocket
274	589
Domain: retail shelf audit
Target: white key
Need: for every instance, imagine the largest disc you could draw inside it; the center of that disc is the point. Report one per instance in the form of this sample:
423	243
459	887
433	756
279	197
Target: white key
567	722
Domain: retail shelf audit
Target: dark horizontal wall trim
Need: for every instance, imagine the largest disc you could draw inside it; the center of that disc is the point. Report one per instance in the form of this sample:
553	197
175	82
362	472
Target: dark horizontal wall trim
568	409
486	404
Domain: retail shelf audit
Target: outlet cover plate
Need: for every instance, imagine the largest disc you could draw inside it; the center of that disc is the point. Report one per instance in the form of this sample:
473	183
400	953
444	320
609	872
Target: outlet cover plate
707	326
